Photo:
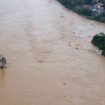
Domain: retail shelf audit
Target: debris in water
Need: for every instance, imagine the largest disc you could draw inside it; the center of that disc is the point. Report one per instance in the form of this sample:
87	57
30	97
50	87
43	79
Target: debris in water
2	62
64	96
64	83
98	51
76	48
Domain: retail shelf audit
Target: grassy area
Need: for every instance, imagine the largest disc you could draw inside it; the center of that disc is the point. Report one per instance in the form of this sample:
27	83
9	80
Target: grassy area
92	9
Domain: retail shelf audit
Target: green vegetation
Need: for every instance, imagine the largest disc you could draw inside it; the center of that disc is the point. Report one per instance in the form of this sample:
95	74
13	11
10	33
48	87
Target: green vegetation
99	41
92	9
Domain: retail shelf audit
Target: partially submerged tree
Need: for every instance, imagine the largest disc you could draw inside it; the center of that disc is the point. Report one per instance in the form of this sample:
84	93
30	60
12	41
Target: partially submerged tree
99	41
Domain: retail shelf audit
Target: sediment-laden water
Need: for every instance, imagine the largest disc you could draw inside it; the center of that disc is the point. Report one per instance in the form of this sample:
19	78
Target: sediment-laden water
50	60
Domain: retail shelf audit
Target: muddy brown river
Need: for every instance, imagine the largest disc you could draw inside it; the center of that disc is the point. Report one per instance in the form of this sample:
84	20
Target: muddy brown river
50	60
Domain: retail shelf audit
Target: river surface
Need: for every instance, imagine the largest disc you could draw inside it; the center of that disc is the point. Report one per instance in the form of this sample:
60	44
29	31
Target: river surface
50	60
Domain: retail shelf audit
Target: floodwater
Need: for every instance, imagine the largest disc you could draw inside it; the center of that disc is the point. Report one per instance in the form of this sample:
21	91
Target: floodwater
50	60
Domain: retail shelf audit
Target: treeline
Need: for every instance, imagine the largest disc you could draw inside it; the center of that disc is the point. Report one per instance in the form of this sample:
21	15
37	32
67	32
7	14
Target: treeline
92	9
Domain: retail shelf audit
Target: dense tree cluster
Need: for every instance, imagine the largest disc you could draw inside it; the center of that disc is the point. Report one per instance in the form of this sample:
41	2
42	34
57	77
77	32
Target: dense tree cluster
93	9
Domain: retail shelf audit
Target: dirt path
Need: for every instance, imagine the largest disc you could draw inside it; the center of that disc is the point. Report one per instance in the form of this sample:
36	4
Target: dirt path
49	55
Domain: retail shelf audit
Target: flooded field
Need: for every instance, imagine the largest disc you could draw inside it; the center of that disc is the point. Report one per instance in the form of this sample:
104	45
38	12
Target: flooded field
50	60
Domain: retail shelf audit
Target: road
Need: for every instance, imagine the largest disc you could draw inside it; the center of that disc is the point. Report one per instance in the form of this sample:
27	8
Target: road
50	60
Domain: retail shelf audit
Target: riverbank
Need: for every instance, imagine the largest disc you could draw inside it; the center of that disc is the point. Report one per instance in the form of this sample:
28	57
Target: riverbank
91	10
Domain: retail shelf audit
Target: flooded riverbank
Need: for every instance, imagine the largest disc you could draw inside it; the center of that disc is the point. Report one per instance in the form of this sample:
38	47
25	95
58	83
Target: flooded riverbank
49	58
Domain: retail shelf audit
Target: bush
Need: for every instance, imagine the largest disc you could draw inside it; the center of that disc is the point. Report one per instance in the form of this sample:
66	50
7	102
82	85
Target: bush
83	11
103	52
99	41
98	17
